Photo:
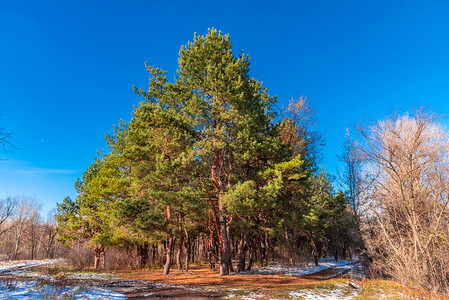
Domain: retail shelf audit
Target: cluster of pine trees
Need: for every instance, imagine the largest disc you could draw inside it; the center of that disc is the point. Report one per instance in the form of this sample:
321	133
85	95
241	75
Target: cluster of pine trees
206	158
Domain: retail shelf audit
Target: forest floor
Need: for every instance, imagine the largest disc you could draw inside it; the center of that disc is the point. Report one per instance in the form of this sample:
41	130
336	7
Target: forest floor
52	279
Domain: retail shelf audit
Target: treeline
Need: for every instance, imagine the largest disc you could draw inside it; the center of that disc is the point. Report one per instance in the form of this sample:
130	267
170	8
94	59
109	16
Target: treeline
206	170
206	167
24	233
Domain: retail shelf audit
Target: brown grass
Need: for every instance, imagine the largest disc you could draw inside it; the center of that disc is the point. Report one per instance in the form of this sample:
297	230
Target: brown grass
372	288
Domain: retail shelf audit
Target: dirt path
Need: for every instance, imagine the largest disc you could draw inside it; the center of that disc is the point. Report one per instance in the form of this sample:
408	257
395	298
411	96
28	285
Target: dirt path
330	273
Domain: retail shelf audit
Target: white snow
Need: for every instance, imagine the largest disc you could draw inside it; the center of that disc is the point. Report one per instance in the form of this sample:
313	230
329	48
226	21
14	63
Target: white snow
6	266
325	263
28	290
358	272
32	289
87	275
334	293
253	295
99	293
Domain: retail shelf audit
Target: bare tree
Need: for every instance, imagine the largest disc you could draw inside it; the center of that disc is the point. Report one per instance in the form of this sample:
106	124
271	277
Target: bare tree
34	232
298	123
48	236
5	140
351	176
25	209
407	165
7	209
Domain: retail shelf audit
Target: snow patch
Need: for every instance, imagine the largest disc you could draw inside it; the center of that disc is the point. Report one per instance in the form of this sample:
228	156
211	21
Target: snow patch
325	263
6	266
334	293
30	290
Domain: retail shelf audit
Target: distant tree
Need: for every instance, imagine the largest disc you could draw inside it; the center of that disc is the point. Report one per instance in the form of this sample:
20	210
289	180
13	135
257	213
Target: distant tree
7	209
49	235
91	215
297	130
351	176
69	221
26	209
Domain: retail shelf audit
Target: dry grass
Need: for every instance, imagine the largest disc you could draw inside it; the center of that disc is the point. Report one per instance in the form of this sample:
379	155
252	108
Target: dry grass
372	289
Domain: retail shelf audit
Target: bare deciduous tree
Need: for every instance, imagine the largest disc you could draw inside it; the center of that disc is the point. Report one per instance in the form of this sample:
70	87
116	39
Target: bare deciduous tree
298	130
7	209
351	176
25	209
407	165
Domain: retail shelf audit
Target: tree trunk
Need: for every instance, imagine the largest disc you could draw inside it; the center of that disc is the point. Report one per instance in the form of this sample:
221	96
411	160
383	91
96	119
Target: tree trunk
230	243
168	255
314	252
188	250
16	248
263	250
192	258
99	257
225	249
178	254
103	259
142	250
210	246
153	254
252	254
243	247
269	252
335	252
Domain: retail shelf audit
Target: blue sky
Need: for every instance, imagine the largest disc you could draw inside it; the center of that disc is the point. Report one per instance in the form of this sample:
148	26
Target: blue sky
67	69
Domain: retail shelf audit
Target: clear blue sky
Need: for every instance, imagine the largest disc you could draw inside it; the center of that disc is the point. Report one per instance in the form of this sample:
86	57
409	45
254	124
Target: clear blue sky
67	69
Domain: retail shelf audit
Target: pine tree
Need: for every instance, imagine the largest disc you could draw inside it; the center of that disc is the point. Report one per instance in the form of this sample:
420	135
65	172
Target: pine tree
233	117
158	151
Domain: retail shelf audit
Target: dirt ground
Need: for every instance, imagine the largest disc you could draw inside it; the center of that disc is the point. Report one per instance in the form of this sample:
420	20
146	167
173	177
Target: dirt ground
203	278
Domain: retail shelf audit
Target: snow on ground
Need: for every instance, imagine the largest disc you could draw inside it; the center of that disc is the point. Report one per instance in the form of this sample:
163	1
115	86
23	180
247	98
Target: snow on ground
28	290
332	292
6	266
357	271
98	293
336	291
95	276
325	263
321	293
252	296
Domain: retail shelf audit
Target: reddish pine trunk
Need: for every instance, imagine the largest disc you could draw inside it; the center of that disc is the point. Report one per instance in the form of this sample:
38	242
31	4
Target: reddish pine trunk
315	252
142	252
188	250
169	248
99	262
225	249
168	255
178	255
243	247
252	255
